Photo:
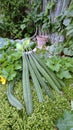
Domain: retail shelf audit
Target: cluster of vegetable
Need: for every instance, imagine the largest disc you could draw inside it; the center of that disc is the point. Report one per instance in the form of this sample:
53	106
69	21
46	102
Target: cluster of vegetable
44	80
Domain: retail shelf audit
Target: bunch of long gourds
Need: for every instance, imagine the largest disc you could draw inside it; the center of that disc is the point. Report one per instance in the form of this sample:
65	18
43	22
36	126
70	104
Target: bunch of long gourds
42	77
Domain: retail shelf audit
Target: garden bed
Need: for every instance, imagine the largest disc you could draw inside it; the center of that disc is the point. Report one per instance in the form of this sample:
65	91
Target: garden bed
45	114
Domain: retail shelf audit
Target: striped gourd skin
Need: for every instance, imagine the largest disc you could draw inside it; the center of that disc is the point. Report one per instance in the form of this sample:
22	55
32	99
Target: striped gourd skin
12	99
40	79
61	83
47	77
50	73
26	87
35	82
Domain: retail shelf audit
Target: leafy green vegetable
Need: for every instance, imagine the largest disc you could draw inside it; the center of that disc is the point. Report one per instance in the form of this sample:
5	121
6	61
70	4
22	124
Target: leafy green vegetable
10	61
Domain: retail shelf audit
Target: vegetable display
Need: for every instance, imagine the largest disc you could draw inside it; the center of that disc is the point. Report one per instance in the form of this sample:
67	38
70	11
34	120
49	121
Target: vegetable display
43	79
33	70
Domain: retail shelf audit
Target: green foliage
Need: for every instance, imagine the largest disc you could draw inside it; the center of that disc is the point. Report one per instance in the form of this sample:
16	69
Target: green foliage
10	61
63	66
68	23
14	12
63	25
56	49
65	48
44	116
21	18
68	47
66	122
39	17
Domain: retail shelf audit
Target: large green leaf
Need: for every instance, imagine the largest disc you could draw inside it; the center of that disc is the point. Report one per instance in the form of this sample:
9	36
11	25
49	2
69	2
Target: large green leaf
63	66
66	122
68	52
64	74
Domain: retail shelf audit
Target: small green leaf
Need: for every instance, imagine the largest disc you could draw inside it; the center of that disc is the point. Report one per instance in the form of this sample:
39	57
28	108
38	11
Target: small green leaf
26	41
19	47
66	22
13	75
17	66
23	26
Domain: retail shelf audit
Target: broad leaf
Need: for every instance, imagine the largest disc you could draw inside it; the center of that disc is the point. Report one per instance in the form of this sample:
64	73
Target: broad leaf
64	74
66	122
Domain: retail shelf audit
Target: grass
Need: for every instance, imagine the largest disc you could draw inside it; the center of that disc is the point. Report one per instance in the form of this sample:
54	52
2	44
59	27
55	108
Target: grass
45	114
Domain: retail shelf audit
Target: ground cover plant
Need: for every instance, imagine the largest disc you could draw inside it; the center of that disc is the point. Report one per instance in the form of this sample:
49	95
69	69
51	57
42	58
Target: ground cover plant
45	114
